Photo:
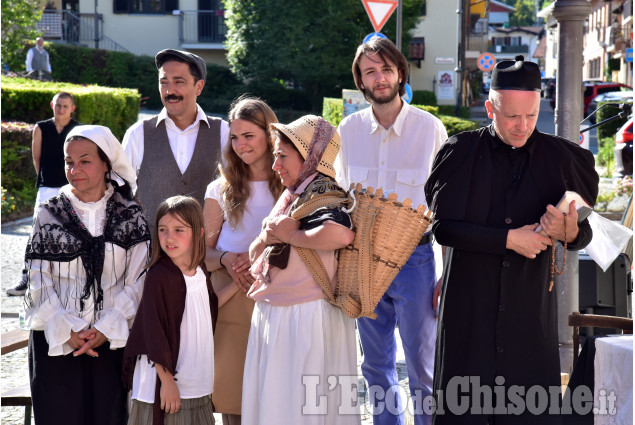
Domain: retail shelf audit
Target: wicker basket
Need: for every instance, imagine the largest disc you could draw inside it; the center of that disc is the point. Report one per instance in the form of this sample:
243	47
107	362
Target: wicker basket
386	234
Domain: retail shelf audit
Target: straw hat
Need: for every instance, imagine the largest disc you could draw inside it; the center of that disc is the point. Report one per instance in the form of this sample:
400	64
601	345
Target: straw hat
301	131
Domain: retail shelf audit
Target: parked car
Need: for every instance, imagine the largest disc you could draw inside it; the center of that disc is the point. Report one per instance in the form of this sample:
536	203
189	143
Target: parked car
592	89
624	150
612	96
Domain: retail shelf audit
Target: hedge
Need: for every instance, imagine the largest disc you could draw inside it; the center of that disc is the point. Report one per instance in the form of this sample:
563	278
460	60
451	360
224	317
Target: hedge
18	175
81	65
609	129
424	97
29	100
464	111
332	112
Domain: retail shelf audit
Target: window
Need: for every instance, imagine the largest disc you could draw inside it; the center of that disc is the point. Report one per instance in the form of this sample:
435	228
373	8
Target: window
145	6
594	68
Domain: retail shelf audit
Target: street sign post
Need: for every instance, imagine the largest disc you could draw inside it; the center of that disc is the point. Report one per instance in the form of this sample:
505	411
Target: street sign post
486	62
379	11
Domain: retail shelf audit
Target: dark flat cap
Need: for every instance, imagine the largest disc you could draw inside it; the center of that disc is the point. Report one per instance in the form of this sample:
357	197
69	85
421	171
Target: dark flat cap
516	75
188	57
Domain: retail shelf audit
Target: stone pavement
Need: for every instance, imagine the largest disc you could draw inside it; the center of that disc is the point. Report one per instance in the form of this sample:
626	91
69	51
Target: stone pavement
13	367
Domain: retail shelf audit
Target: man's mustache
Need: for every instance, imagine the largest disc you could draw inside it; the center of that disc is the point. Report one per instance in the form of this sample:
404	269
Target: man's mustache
171	97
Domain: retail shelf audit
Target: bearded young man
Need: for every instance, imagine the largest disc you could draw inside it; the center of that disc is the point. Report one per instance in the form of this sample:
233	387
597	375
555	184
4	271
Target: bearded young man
391	145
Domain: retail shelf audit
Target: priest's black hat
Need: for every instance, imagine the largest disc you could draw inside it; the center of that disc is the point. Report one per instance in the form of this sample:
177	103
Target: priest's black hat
516	75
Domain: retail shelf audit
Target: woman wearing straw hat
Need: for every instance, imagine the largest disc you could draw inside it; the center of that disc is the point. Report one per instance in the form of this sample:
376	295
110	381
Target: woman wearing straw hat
299	342
88	246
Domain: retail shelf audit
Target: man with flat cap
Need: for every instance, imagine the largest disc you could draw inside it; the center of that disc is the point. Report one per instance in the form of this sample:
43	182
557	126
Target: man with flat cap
177	151
497	358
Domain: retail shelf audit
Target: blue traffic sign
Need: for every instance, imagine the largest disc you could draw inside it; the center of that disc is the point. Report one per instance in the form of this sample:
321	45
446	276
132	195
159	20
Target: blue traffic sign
373	35
629	54
407	97
486	62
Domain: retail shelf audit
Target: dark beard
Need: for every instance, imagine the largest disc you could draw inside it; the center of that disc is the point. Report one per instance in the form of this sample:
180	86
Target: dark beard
394	92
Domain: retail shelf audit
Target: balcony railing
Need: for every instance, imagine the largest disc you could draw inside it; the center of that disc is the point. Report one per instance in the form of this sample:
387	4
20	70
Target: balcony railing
202	26
78	29
523	48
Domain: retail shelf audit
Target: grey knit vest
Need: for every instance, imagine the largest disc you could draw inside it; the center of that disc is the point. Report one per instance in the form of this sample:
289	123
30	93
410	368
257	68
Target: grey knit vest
159	175
39	60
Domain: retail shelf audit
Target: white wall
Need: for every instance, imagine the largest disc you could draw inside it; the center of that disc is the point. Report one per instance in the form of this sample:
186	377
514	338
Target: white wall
439	27
147	34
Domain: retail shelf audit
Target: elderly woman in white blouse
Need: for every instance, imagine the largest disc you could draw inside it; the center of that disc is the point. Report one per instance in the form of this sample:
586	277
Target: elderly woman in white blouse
88	247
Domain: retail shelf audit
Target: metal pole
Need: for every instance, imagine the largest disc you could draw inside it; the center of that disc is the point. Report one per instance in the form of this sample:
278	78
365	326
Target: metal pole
399	19
570	15
96	27
459	59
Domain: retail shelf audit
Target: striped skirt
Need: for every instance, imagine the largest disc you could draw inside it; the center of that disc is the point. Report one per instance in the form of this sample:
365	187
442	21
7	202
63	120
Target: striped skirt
193	411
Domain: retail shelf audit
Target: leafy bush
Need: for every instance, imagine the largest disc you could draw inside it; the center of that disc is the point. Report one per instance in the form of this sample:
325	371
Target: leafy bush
609	129
606	156
29	100
288	115
18	24
424	97
464	111
82	65
18	175
454	125
332	112
434	110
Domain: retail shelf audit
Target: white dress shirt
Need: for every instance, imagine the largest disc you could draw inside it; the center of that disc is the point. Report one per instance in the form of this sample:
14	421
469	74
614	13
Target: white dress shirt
29	60
182	142
397	159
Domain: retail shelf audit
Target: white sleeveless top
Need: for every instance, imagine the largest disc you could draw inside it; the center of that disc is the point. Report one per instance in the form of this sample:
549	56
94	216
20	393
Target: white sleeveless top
238	237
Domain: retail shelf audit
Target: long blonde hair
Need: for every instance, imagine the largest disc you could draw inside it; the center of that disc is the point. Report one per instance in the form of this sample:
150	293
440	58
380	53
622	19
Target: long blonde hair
234	171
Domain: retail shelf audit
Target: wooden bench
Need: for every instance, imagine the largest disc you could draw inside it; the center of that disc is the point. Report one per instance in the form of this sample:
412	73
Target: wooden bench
19	396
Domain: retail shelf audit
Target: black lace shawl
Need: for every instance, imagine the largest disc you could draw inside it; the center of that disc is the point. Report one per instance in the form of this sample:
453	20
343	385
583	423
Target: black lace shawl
59	235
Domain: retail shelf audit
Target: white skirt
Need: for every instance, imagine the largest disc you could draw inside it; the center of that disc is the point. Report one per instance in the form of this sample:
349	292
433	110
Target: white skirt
301	366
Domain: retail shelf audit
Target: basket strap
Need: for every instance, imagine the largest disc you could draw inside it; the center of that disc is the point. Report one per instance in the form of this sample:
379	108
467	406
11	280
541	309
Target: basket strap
317	269
315	203
365	261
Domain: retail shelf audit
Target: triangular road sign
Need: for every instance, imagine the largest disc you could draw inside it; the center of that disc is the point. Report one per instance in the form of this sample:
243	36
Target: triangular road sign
379	11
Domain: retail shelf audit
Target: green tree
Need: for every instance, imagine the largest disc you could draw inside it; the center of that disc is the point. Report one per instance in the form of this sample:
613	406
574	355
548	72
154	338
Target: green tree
304	45
524	15
18	27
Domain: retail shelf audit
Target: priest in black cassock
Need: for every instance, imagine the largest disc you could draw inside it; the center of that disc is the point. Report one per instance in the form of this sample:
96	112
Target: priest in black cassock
490	189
